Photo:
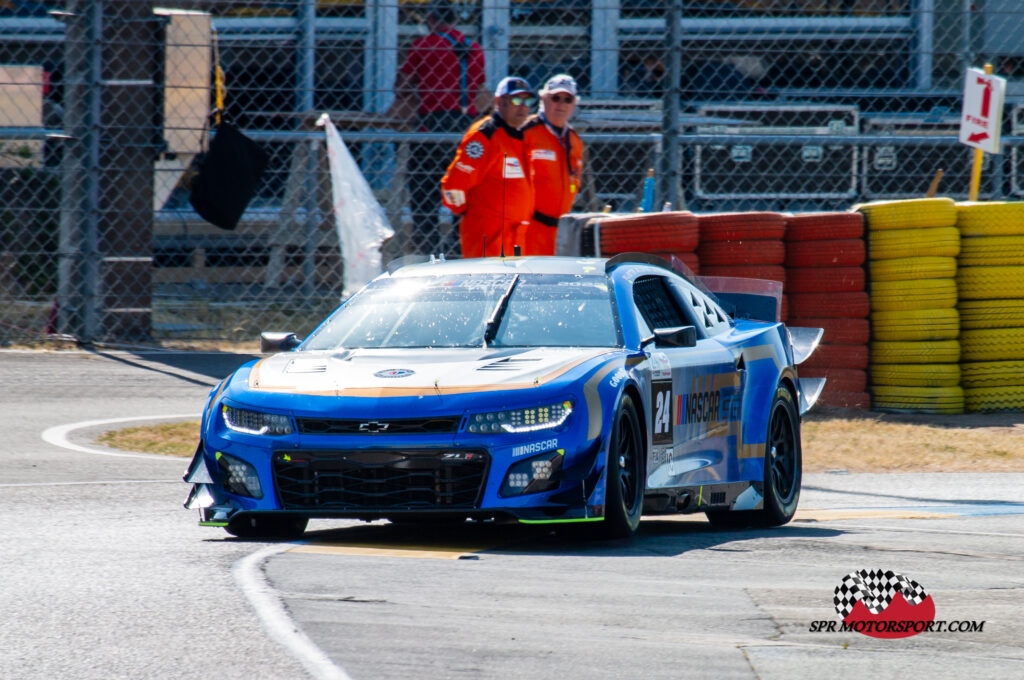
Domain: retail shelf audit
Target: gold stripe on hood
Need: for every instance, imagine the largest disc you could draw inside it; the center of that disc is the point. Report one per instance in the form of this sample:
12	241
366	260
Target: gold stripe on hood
377	392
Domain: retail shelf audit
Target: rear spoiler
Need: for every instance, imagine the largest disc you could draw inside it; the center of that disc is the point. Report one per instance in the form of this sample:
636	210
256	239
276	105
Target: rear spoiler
756	299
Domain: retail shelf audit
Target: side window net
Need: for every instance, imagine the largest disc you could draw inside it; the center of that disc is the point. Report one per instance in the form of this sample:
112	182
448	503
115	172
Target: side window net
656	303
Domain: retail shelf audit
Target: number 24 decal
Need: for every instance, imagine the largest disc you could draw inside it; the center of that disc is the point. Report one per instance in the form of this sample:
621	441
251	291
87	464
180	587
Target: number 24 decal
661	394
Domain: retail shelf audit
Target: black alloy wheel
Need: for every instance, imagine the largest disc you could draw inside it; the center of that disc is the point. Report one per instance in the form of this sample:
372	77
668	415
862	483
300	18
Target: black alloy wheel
625	474
783	470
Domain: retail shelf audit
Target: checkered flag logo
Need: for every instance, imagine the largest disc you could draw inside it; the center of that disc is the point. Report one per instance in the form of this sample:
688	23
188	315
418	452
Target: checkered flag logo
876	589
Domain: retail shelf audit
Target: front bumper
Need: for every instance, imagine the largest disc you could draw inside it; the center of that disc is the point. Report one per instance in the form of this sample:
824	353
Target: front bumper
402	478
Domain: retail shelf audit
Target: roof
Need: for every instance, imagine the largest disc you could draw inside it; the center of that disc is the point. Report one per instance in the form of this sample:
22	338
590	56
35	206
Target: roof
584	266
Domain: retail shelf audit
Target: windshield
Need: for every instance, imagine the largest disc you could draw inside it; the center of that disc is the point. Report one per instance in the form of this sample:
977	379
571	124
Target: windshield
543	310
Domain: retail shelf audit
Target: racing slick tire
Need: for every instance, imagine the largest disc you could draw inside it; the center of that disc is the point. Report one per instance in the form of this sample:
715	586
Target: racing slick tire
783	470
624	498
258	525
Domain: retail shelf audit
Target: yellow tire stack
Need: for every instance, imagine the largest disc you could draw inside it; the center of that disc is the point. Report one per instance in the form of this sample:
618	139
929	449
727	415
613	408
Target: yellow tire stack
915	325
990	279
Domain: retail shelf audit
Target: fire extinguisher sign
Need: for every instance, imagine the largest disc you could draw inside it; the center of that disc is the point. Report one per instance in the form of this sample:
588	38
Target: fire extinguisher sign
982	117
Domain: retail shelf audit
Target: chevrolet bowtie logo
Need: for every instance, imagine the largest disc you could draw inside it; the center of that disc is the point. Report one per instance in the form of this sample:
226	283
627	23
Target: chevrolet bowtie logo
373	426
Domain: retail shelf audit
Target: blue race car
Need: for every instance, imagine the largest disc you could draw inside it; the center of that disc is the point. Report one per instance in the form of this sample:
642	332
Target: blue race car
541	390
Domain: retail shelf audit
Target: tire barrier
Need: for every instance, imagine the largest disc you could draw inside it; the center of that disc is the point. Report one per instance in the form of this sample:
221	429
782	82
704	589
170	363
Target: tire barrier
949	400
840	331
892	296
824	226
741	252
921	352
839	356
829	305
1010	398
665	232
825	253
916	375
997	218
943	327
741	239
909	214
832	253
920	242
991	313
992	344
990	281
752	226
825	279
979	374
913	268
912	249
991	250
917	324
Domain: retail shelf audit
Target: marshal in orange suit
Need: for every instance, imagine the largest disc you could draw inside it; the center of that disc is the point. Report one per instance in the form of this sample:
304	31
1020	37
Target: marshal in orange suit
556	157
490	183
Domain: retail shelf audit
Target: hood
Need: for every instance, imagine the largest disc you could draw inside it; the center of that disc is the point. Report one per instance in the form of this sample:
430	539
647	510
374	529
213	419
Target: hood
412	372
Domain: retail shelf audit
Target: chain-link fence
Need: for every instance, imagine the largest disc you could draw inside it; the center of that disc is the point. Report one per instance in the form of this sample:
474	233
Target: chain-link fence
743	104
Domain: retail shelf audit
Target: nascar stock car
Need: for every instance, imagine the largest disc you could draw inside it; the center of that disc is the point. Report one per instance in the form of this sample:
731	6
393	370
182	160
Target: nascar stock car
530	389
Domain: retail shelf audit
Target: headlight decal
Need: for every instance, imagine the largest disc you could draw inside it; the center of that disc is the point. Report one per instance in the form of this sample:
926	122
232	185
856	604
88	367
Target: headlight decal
255	422
530	419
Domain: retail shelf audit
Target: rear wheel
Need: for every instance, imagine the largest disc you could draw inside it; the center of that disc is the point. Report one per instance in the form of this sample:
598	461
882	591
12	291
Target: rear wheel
250	525
624	481
782	470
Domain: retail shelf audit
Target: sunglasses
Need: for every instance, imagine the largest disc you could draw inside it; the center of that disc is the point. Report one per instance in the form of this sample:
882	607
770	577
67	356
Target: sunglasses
563	98
522	101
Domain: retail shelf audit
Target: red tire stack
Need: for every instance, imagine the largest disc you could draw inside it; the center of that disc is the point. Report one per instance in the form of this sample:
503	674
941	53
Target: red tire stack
746	245
665	234
825	286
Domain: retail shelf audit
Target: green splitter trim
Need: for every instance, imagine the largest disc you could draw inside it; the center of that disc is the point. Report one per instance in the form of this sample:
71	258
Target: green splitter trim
213	524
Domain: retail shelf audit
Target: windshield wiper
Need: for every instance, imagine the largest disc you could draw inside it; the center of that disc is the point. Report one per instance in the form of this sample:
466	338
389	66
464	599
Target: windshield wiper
492	324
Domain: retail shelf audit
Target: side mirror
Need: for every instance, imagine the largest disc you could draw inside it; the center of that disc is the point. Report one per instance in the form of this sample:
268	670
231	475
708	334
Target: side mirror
679	336
278	342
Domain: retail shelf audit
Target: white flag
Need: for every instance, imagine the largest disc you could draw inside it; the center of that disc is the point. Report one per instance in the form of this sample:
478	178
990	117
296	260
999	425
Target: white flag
361	222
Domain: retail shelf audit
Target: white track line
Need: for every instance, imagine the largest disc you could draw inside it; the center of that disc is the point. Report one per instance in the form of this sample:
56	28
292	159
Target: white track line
58	435
249	575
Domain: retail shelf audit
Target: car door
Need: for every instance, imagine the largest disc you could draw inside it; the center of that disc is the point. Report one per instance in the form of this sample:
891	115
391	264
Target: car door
694	391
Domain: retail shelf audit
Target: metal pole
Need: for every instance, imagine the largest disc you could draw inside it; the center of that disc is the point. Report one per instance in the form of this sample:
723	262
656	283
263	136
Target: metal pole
306	103
924	27
670	189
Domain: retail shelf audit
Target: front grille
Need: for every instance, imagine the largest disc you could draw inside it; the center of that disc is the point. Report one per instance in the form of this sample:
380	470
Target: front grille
438	425
380	479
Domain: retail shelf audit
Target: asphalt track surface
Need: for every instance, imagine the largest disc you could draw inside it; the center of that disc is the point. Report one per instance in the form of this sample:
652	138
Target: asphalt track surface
105	575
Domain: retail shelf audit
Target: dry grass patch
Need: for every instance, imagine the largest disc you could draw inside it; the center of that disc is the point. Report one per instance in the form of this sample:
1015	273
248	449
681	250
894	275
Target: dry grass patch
877	442
170	439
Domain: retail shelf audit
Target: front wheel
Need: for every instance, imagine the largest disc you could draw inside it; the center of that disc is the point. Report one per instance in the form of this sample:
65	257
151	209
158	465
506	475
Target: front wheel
624	479
254	525
783	470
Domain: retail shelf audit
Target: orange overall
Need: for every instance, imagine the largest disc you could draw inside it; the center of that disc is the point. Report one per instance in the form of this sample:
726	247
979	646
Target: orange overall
490	184
556	157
